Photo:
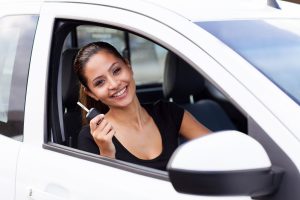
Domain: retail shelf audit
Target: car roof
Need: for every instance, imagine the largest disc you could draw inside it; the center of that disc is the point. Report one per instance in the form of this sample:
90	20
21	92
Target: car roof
199	10
212	9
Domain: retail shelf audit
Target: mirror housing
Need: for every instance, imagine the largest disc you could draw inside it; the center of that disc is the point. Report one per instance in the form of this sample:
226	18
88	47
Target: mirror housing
223	163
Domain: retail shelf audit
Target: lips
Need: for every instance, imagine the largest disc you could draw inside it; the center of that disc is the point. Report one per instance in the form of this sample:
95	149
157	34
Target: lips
120	93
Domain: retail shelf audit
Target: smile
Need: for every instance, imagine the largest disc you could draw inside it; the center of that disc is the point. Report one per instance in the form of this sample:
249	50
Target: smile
119	93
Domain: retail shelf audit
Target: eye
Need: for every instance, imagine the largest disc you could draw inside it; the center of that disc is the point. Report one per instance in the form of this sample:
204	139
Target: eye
98	83
117	71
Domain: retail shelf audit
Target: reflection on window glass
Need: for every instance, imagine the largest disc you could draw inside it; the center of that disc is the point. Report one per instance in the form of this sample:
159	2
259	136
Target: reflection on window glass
272	46
147	60
87	34
8	39
16	41
67	44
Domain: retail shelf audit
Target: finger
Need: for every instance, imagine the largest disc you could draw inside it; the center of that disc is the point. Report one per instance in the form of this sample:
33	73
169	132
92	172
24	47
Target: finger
100	120
111	133
96	121
103	124
102	129
98	131
107	128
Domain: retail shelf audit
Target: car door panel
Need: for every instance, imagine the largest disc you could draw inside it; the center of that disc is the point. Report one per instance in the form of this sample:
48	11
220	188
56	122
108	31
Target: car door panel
66	177
44	173
9	150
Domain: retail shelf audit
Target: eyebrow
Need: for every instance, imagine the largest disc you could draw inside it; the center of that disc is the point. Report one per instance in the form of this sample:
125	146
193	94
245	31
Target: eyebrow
111	66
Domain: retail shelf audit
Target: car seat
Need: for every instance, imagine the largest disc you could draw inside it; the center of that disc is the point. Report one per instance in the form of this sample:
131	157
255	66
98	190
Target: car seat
70	94
181	83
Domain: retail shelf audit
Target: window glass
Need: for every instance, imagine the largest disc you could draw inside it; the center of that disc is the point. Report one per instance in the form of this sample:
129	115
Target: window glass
87	34
272	46
9	41
68	42
16	39
147	60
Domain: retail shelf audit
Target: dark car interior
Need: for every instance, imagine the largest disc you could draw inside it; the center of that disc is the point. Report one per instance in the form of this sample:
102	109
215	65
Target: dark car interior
180	83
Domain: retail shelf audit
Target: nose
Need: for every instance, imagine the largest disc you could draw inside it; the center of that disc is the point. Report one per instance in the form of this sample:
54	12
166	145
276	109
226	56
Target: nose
112	83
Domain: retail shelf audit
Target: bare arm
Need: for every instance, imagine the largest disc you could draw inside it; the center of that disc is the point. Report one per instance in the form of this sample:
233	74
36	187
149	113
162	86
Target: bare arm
190	128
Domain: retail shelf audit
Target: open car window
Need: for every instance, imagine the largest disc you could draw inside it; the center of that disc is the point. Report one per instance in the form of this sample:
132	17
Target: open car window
146	57
154	68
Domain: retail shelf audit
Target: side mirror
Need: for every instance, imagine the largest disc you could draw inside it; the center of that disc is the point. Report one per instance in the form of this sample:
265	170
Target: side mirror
223	163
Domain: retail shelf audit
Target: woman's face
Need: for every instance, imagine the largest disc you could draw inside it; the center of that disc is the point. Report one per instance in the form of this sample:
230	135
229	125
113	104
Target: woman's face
109	80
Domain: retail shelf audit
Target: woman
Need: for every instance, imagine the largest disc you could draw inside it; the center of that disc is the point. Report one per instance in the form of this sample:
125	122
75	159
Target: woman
142	134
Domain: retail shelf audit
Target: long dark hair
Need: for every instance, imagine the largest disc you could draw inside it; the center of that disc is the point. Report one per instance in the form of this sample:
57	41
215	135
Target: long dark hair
81	59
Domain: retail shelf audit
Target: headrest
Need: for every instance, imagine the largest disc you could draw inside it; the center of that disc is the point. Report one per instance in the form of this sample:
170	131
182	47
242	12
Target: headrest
180	79
70	82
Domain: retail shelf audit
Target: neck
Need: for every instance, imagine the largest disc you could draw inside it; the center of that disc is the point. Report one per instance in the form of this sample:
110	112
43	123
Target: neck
133	114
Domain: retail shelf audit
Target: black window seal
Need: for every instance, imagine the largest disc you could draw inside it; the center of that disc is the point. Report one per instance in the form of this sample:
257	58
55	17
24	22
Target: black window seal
119	164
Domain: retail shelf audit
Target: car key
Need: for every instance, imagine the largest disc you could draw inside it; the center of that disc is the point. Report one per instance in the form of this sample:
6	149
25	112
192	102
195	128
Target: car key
93	112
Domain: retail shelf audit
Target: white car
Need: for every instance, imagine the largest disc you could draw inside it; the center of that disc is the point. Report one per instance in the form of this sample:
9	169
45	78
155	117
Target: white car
233	64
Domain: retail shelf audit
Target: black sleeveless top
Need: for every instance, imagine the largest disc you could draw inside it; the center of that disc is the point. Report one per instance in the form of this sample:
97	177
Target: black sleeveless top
167	117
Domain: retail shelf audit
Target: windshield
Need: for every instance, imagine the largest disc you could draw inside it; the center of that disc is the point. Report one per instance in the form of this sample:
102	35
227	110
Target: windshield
272	46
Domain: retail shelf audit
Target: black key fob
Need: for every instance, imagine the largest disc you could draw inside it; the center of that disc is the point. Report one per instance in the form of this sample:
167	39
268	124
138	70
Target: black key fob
93	112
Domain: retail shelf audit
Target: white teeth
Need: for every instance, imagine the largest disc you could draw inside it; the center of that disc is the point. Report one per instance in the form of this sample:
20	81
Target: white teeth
119	93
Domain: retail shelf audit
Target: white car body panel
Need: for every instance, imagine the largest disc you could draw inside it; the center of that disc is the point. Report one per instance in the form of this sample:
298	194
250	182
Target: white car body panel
32	178
9	151
39	173
22	8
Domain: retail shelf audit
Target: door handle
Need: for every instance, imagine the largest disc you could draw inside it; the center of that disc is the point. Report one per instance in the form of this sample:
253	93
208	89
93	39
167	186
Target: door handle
35	194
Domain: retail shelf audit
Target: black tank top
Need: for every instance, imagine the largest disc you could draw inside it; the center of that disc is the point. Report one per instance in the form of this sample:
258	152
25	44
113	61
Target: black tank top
167	117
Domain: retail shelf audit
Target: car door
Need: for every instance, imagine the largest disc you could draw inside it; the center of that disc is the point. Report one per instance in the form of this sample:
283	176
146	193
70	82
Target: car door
9	148
47	170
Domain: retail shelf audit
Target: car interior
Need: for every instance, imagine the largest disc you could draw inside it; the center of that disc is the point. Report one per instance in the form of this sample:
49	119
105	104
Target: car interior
173	80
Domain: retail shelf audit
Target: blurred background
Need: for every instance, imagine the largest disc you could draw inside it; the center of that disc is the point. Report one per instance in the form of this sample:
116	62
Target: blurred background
295	1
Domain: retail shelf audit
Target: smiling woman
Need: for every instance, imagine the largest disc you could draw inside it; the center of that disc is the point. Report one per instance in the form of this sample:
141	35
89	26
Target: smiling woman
142	134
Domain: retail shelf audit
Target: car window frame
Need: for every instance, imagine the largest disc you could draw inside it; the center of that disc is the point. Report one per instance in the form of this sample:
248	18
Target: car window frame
52	138
202	55
62	28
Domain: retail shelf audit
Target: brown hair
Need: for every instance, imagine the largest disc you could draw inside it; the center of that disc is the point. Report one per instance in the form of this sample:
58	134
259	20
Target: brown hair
81	59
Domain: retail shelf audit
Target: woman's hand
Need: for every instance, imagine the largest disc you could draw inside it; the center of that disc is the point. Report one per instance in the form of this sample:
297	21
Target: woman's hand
102	132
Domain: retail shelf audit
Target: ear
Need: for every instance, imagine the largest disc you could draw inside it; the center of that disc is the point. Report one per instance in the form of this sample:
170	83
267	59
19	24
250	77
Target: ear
90	94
